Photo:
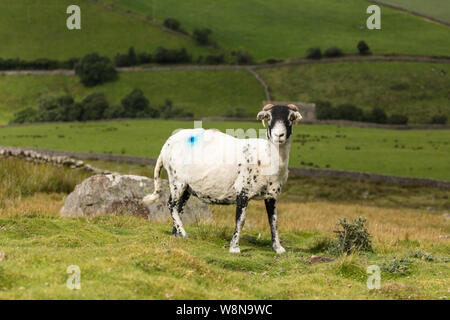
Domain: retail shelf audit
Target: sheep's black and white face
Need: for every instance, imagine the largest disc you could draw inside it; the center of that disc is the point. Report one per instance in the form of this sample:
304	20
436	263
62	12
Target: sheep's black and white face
280	120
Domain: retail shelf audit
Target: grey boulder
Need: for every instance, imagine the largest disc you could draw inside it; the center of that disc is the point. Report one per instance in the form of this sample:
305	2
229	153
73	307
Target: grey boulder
122	194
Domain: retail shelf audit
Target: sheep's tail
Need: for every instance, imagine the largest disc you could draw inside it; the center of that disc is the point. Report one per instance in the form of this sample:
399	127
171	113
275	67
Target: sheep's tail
151	198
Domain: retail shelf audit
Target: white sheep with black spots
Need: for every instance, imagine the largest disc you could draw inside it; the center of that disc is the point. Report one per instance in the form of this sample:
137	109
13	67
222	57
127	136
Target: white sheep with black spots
221	169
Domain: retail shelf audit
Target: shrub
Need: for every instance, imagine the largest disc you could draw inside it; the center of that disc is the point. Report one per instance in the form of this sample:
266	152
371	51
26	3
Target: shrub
238	112
314	53
333	52
273	61
163	55
397	266
168	110
201	36
349	112
352	236
241	57
172	23
363	48
126	60
144	57
114	112
94	69
54	109
94	106
24	116
439	119
325	111
70	63
377	115
136	105
211	59
398	119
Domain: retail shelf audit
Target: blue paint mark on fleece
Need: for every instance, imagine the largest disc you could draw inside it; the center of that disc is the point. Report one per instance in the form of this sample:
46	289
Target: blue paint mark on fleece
192	140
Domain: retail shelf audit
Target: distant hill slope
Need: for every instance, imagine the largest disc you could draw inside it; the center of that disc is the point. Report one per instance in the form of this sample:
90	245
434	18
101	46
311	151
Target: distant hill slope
37	29
439	9
205	93
419	90
287	28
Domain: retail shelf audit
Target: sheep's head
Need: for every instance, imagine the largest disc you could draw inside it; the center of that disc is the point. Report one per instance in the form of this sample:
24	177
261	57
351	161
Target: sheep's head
280	120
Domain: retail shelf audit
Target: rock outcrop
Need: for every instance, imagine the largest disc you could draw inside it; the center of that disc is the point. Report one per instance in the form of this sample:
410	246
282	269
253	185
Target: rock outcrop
122	194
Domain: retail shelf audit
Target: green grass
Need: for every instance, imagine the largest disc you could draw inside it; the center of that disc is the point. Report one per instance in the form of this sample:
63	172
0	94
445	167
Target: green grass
287	28
439	9
158	266
37	29
205	93
410	153
419	90
37	246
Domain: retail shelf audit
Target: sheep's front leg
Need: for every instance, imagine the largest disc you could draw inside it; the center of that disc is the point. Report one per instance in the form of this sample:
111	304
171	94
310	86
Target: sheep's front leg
272	214
241	209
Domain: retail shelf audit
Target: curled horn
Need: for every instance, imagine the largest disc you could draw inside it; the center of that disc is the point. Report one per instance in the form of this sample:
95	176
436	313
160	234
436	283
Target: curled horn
267	107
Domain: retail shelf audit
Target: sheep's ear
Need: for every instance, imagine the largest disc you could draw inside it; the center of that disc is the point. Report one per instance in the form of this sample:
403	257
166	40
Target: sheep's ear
295	116
263	116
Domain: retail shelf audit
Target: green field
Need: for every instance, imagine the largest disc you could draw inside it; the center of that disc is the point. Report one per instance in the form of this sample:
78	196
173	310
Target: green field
439	9
205	93
287	28
419	90
37	246
410	153
32	29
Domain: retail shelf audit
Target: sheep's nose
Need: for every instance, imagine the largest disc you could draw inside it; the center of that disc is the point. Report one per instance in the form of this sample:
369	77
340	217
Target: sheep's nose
280	135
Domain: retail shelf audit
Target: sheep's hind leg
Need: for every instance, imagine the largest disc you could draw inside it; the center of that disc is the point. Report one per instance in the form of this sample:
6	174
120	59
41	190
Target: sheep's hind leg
178	197
241	210
272	214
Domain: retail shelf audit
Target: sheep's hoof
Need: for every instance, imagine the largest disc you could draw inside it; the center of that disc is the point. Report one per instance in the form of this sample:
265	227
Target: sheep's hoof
279	250
179	235
235	250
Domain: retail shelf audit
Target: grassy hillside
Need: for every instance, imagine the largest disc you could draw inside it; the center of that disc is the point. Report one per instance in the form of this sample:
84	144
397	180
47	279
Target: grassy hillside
419	90
38	246
32	29
439	9
205	93
287	28
411	153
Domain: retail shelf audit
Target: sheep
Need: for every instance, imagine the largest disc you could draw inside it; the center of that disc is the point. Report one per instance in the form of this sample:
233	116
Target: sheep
220	169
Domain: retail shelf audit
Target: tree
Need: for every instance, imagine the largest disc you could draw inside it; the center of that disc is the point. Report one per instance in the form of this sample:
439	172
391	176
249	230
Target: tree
439	119
398	119
94	106
314	53
349	112
94	69
363	48
132	58
172	23
201	36
378	116
136	105
325	111
333	52
24	116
